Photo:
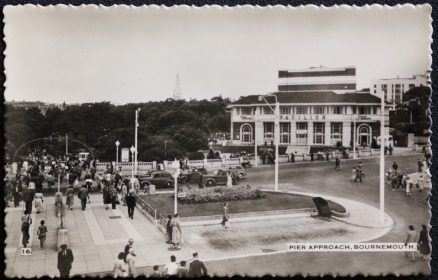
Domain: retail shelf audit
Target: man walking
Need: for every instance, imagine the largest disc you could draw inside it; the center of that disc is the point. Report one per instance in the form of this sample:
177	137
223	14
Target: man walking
197	267
65	260
359	172
42	231
28	195
83	195
131	201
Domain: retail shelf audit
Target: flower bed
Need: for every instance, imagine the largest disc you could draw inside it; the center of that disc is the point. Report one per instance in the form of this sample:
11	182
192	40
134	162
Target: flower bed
222	194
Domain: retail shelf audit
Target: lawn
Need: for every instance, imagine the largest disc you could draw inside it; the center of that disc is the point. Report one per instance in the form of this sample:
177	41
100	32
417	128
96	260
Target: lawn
273	201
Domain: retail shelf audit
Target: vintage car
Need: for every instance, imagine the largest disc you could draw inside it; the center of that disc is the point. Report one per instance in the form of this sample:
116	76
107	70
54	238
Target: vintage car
161	179
191	175
237	170
218	177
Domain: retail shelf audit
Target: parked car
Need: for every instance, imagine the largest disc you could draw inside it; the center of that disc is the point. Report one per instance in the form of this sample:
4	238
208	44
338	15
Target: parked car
238	171
158	178
219	177
191	175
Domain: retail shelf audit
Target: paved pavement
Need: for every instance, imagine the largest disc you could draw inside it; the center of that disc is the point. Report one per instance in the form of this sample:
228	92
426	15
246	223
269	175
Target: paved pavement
97	235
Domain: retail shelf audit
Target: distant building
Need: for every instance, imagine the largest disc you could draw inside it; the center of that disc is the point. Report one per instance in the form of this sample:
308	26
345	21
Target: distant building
338	80
320	118
43	107
393	88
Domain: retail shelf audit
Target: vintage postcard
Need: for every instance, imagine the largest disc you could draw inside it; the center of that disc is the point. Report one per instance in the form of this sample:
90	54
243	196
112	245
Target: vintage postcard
217	141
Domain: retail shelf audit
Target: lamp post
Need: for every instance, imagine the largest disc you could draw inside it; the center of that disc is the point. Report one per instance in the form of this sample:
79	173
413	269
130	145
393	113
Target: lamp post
276	112
354	136
117	155
132	169
255	140
165	149
382	161
136	136
175	176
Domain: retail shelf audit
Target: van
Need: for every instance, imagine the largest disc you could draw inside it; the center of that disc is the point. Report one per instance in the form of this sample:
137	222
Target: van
388	141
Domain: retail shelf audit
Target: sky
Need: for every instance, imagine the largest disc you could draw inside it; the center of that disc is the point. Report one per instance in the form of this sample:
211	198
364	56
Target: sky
126	55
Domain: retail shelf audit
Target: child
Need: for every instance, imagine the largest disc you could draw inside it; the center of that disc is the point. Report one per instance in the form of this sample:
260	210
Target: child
42	231
156	273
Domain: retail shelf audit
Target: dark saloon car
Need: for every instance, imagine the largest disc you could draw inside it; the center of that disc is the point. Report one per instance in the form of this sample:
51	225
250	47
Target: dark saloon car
161	179
192	175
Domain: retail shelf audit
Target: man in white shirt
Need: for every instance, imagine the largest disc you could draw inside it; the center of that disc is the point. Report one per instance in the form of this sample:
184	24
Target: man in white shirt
171	269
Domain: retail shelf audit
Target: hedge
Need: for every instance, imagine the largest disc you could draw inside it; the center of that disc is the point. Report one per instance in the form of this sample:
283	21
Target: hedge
222	194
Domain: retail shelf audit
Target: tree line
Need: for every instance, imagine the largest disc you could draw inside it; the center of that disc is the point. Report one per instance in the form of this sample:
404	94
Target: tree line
182	126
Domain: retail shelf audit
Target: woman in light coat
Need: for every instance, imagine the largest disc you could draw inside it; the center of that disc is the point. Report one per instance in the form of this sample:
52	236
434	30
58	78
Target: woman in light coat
176	232
39	199
229	180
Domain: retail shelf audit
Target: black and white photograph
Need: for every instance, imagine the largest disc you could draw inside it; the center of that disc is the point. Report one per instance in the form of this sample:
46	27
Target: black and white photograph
217	141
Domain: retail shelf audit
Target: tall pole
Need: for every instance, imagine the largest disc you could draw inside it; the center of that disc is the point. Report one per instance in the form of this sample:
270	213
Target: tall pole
382	161
136	136
354	136
165	149
255	143
175	200
277	140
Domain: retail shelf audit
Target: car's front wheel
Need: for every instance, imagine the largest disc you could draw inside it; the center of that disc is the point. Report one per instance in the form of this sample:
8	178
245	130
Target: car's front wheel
210	183
169	184
241	176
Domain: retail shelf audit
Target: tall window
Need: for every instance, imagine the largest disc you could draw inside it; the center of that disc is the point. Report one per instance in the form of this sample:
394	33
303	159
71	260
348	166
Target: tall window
301	133
246	111
318	110
285	132
364	110
284	110
267	110
301	110
268	131
246	133
336	133
337	110
318	133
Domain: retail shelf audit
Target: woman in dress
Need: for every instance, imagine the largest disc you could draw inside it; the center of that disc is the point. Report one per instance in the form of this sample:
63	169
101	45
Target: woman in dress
124	193
229	180
176	232
121	267
423	243
39	199
70	194
353	176
169	229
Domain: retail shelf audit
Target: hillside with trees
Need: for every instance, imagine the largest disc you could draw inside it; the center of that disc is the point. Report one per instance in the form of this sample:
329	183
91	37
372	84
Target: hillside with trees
183	125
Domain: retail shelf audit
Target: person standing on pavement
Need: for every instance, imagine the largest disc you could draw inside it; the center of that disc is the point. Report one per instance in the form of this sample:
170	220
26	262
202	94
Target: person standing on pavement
411	237
128	246
113	194
65	261
25	233
197	267
41	233
420	166
16	190
337	163
106	196
131	201
176	232
70	195
423	243
83	195
408	186
39	199
359	172
171	269
124	193
169	229
28	195
130	260
226	217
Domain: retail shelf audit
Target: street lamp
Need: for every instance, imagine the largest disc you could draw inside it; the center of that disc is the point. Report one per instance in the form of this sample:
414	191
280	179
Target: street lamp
354	136
133	150
276	132
117	154
382	161
136	136
175	176
165	149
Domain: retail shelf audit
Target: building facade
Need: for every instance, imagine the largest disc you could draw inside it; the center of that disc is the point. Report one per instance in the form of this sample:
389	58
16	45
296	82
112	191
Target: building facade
392	89
315	118
339	80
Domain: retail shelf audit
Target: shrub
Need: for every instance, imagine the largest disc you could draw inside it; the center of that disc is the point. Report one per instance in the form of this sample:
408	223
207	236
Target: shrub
222	194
